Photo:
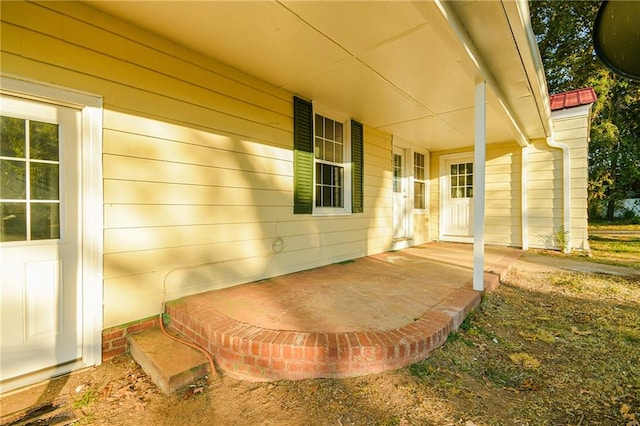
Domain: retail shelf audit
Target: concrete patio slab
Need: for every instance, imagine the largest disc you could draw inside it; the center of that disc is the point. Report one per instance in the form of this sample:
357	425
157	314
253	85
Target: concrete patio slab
358	317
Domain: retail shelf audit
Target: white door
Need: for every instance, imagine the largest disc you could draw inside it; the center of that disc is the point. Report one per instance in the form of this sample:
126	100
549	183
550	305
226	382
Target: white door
40	320
400	195
457	217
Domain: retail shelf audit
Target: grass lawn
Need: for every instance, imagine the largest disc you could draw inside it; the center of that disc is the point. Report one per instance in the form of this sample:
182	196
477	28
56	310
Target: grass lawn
620	246
544	349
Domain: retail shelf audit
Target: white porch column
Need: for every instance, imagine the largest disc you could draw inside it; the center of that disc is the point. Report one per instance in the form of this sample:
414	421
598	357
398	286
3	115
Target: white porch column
480	156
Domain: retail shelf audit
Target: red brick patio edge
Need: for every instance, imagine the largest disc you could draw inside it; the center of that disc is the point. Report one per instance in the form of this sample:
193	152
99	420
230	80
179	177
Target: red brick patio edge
248	352
252	353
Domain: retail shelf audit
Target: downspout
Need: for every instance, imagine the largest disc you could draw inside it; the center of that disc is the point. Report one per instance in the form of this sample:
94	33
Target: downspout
566	191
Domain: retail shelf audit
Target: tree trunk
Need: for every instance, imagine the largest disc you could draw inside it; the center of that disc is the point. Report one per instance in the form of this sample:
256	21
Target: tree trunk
611	206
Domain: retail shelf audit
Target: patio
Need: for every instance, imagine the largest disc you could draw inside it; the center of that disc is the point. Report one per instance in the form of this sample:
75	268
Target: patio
348	319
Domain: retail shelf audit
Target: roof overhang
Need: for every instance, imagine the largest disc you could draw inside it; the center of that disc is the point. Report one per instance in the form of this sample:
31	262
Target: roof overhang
405	67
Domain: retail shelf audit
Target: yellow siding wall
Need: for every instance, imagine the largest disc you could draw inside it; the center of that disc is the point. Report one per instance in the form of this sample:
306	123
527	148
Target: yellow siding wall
503	223
544	193
573	130
197	159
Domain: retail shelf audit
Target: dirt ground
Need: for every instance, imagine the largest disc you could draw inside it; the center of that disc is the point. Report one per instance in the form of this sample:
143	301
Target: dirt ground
549	347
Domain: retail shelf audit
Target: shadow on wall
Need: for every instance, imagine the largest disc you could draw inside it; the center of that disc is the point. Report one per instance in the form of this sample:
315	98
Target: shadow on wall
554	240
190	209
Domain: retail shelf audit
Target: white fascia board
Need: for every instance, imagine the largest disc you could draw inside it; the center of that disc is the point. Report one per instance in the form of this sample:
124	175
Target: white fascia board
572	112
454	23
519	17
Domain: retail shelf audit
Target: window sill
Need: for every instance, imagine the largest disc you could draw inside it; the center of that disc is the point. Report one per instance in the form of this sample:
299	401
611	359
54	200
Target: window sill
328	212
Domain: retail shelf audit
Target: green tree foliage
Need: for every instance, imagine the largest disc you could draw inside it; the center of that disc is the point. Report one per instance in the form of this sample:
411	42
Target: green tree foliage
564	35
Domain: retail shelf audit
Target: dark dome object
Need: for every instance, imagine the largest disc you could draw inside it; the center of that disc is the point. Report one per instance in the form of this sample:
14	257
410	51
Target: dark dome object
616	37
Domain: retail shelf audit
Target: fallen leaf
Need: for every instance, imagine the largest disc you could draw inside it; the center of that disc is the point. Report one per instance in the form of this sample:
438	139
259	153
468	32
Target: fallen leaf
525	360
481	346
575	330
529	385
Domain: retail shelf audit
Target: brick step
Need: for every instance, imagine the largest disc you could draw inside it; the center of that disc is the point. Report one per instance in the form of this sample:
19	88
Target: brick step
170	364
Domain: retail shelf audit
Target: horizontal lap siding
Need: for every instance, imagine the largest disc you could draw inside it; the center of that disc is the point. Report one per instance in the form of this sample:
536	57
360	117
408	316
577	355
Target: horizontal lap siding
544	195
574	131
503	223
378	181
197	161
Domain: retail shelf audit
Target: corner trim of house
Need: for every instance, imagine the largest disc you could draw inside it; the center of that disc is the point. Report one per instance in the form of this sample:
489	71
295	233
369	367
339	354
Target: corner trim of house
91	196
524	198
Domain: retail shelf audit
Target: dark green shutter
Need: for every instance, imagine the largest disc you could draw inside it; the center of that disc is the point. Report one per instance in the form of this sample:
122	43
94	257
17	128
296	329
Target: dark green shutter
302	156
357	161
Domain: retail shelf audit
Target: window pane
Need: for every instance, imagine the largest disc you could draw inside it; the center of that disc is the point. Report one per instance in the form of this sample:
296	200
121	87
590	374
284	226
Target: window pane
337	197
469	167
318	173
454	181
326	196
454	193
13	222
337	176
397	173
319	151
462	180
328	128
419	173
454	169
338	128
469	192
338	152
13	180
44	181
12	139
328	150
319	126
44	141
45	221
418	195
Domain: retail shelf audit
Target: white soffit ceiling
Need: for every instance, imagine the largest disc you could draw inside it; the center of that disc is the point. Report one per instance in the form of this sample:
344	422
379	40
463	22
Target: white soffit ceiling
393	65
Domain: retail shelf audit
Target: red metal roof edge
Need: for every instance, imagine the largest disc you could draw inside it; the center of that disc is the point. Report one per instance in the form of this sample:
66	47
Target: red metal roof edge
572	98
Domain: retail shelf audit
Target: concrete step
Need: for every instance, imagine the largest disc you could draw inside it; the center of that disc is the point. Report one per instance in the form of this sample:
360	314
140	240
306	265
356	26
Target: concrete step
170	364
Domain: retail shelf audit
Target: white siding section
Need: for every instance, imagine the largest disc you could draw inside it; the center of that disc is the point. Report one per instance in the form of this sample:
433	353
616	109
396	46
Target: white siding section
544	191
198	169
571	127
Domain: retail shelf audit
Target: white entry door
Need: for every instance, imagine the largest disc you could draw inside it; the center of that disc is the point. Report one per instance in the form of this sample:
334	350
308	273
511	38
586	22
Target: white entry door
400	195
40	296
457	194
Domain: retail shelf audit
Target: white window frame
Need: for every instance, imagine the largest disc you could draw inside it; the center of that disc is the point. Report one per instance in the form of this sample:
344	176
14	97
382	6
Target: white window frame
425	181
346	162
